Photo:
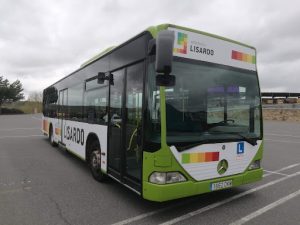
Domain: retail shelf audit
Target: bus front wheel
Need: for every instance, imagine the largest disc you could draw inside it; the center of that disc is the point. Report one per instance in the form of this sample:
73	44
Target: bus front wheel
95	161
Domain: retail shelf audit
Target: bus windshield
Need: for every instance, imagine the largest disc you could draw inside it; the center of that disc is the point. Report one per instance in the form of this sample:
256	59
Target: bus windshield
209	103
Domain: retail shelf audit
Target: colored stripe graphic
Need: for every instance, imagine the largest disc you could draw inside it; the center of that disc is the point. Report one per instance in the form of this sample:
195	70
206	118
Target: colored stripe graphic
182	41
58	131
243	57
199	157
45	126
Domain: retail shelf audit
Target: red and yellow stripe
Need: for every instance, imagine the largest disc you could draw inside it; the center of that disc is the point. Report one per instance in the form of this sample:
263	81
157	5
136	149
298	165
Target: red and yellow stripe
243	57
58	131
45	126
199	157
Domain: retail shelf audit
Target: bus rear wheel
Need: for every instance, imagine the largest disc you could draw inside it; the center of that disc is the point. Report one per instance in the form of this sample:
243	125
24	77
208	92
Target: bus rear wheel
95	161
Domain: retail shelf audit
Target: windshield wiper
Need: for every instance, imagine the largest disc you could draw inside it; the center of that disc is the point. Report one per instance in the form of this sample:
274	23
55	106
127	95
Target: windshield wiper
252	141
184	146
181	148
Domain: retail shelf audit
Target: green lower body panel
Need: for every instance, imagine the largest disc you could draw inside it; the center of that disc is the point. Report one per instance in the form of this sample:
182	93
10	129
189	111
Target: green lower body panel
160	193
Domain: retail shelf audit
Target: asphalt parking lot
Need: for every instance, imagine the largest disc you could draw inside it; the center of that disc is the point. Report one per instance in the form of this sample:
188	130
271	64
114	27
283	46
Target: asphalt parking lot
40	184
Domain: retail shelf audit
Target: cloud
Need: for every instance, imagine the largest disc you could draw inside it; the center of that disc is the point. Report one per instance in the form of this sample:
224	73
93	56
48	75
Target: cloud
42	41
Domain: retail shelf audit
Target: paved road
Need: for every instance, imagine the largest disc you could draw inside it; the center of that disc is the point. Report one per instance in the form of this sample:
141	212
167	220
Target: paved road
40	184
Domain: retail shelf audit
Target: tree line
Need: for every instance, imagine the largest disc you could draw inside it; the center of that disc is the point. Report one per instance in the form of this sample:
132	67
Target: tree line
10	92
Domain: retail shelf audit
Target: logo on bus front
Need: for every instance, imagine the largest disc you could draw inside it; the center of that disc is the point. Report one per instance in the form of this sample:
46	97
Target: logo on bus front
240	148
195	47
182	43
222	166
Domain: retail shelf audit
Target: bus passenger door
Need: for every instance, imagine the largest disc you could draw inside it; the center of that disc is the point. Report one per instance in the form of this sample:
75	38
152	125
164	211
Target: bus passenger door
133	123
62	113
125	125
115	140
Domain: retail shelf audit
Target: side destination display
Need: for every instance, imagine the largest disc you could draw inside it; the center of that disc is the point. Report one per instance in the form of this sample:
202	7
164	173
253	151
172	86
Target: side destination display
210	49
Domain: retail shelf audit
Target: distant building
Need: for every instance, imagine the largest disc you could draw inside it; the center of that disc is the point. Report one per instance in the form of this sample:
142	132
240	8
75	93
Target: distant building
267	101
291	100
279	101
280	98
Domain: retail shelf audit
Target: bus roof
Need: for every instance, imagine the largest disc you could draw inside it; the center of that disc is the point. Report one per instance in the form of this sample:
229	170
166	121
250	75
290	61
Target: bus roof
99	55
153	30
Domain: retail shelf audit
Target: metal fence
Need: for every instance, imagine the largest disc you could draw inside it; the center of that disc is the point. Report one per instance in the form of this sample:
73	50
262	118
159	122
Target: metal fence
281	106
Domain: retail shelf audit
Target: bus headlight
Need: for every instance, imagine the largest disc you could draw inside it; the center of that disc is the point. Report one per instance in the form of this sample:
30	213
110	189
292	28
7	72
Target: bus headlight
254	165
166	177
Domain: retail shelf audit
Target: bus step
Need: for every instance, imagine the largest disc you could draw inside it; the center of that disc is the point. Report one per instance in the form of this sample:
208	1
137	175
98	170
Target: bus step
62	146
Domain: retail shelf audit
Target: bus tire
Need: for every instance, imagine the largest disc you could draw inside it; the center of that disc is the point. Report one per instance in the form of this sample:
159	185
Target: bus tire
94	160
51	136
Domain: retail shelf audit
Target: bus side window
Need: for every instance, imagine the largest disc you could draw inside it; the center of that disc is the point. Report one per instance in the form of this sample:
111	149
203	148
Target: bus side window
75	102
95	102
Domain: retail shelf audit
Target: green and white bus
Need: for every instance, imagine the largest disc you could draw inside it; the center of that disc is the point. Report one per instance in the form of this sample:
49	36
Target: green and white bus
170	113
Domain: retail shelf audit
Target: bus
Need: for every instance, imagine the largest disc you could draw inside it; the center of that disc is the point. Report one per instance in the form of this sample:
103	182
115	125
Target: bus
172	112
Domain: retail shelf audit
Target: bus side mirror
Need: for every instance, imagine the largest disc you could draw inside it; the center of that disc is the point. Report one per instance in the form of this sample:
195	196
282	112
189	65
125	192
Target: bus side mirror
164	58
101	78
165	80
105	76
164	52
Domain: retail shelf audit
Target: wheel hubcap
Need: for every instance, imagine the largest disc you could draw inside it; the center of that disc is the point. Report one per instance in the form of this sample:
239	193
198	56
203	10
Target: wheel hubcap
96	160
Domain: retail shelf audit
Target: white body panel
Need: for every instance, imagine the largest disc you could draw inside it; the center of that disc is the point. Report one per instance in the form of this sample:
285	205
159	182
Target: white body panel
77	145
210	49
237	161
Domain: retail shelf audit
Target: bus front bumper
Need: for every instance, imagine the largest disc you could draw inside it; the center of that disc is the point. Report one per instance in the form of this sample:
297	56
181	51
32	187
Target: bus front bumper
160	193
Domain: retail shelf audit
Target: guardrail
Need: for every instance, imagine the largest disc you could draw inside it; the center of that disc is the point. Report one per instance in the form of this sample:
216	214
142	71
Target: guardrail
281	106
280	94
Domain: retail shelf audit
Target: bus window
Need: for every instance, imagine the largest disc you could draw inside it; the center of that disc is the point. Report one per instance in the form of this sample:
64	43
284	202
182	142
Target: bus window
134	96
75	102
95	102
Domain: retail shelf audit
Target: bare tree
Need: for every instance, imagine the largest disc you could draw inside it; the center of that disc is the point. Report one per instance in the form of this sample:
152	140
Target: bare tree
35	96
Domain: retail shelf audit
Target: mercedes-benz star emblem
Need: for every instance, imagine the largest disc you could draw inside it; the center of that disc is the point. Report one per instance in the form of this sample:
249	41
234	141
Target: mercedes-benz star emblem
222	166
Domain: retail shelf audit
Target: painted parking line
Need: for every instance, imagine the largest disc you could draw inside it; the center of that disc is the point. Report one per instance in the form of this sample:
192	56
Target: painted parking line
274	172
217	204
266	208
282	135
36	118
148	214
145	215
20	128
13	191
275	140
282	169
21	136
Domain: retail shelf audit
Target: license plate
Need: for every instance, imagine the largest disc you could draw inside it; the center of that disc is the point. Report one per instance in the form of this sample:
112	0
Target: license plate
220	185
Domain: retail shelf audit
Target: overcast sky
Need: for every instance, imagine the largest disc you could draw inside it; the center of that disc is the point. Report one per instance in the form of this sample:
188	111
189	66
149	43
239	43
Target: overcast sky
42	41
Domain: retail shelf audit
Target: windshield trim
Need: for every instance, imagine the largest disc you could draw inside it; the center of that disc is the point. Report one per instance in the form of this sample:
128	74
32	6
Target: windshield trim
183	146
210	64
246	72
